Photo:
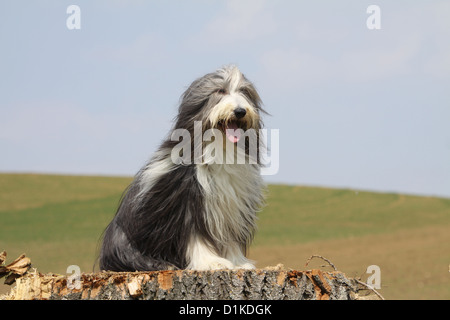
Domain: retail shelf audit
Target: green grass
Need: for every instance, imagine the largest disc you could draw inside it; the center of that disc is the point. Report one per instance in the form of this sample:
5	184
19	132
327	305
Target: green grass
58	220
302	214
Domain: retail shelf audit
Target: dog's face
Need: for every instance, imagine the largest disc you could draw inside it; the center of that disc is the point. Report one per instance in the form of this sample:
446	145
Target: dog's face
233	105
223	100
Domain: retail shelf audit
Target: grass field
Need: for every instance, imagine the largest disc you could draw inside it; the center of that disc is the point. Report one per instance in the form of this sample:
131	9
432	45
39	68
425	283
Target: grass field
58	220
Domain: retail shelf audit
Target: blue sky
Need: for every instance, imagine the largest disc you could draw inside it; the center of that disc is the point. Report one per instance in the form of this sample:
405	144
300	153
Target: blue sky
355	108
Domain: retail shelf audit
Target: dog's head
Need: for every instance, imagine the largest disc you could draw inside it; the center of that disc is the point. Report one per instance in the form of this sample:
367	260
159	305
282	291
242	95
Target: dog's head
224	100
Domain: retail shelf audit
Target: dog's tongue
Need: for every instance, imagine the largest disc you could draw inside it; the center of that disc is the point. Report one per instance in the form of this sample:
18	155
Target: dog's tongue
232	132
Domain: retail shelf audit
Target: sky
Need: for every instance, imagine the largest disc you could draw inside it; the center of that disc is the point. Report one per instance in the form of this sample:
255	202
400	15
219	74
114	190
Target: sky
356	107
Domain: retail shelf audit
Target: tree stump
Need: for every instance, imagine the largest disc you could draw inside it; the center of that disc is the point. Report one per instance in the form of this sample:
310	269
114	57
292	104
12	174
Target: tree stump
257	284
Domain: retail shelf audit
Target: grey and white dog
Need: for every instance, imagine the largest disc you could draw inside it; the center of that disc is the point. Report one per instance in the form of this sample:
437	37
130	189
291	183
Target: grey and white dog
202	214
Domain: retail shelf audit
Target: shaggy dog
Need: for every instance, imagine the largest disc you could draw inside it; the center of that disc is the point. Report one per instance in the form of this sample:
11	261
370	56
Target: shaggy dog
194	205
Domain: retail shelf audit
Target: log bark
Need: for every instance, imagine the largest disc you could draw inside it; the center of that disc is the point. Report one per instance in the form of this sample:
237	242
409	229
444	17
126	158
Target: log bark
258	284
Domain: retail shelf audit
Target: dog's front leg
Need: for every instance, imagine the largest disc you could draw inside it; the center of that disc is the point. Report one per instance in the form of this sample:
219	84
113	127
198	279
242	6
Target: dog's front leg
203	257
236	256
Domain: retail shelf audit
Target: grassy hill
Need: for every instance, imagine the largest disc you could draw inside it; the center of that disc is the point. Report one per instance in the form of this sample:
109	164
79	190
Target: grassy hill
58	220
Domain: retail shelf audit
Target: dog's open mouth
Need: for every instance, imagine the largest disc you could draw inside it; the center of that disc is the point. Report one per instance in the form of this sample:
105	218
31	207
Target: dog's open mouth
231	129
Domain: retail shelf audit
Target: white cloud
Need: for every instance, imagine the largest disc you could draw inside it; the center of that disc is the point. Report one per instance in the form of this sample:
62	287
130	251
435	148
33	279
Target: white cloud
320	55
240	21
146	50
56	122
438	63
46	121
380	61
61	137
293	67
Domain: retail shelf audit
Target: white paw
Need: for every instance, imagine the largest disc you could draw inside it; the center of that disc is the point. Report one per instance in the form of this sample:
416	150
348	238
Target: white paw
247	266
221	264
212	264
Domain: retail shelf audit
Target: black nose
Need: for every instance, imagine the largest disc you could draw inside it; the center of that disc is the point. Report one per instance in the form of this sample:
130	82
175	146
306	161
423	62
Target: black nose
239	112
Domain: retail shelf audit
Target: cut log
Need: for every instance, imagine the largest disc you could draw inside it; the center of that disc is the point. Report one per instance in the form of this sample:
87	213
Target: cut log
258	284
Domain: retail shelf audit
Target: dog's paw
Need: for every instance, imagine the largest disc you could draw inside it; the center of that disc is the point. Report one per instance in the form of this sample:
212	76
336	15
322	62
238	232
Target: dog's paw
246	266
212	264
220	263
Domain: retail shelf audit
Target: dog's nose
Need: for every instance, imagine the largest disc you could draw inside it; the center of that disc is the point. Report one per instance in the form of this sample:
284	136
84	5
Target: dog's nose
239	112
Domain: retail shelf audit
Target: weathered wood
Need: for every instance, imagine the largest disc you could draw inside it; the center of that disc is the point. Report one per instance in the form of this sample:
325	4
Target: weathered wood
15	269
271	283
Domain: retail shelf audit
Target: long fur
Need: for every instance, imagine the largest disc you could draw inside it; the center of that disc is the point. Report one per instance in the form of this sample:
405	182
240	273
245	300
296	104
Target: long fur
199	215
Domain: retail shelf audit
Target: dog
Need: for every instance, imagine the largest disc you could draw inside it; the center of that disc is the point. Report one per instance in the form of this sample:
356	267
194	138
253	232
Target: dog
197	211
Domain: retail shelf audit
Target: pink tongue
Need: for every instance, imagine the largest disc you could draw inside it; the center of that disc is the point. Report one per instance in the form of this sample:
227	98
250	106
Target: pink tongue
232	132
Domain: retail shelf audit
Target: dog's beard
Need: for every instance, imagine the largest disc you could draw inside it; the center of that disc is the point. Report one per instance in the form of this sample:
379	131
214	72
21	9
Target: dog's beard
233	128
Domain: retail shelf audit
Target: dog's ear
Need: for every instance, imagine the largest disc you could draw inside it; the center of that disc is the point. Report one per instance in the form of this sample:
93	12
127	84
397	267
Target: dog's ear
193	99
248	89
